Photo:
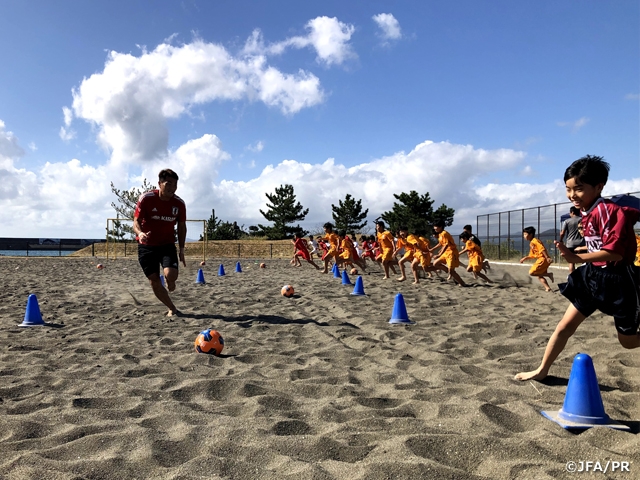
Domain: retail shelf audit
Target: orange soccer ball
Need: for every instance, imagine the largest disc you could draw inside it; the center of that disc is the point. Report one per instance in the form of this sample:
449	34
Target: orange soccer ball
203	263
287	291
99	266
209	341
263	265
354	271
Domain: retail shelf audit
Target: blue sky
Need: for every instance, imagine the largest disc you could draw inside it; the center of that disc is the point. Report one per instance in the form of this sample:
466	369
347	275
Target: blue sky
482	104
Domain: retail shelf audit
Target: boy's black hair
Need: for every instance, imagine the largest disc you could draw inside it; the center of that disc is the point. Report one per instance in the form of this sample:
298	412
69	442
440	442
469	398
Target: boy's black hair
372	238
467	228
328	226
363	238
380	223
439	223
590	169
342	233
529	230
297	235
465	236
575	211
403	228
167	173
311	237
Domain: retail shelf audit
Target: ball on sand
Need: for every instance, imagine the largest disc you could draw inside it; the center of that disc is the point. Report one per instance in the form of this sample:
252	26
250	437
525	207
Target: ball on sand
354	271
287	291
99	266
203	263
263	265
209	341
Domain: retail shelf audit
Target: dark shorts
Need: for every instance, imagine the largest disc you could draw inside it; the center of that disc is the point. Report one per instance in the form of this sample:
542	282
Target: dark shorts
612	290
151	258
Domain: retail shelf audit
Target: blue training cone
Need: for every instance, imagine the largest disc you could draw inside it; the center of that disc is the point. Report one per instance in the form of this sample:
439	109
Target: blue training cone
238	268
399	315
336	272
359	288
200	277
32	316
334	268
164	284
345	278
221	271
582	406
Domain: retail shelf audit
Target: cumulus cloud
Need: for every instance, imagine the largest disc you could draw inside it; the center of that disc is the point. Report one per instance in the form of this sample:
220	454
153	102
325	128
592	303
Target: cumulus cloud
389	26
130	101
258	147
575	126
329	37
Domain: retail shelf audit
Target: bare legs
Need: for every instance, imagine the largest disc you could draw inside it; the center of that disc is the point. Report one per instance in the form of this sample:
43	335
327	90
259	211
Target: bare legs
171	275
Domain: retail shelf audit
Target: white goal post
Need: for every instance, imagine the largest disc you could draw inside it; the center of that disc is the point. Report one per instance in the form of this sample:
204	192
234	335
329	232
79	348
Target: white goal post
111	242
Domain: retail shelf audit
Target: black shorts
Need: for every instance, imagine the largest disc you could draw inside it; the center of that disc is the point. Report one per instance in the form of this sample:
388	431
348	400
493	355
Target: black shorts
151	258
612	290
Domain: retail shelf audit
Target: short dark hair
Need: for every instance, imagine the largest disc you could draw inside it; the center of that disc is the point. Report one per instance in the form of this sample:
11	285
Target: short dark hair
575	210
529	230
465	236
439	223
590	169
468	227
297	234
167	173
403	228
342	233
328	226
380	223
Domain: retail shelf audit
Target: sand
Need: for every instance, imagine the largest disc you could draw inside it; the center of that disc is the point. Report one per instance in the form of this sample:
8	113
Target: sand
318	386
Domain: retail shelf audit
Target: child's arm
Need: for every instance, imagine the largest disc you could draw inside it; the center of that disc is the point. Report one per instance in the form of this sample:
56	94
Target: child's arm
599	256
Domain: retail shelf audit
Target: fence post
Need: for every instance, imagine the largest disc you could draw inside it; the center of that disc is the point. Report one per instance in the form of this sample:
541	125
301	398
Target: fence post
509	235
499	234
271	250
238	250
93	249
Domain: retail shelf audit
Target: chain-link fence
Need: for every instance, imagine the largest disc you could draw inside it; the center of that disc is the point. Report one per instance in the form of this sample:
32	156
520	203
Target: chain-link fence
501	233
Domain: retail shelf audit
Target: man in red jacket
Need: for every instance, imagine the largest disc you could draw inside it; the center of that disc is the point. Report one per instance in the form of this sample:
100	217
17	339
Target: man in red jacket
154	220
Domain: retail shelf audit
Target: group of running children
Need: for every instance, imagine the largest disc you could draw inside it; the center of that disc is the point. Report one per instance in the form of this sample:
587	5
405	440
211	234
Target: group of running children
384	248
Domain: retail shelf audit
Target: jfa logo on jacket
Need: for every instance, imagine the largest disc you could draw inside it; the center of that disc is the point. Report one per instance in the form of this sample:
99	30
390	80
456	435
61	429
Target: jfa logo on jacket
174	211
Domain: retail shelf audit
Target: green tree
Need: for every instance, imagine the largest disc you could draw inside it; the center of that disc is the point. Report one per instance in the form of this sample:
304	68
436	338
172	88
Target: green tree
416	212
348	215
127	200
283	210
216	229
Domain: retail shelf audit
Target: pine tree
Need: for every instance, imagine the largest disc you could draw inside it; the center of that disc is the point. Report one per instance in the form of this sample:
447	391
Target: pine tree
416	212
348	215
283	211
127	200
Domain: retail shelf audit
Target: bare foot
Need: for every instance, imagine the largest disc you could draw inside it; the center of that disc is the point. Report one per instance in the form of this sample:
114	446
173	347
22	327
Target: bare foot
415	283
173	313
547	289
533	375
385	278
402	279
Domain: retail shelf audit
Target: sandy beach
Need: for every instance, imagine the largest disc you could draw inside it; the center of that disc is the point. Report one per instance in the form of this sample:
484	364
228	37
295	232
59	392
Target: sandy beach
318	386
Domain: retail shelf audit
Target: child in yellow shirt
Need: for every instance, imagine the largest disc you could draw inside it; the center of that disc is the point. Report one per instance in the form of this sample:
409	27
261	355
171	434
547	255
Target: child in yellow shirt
539	253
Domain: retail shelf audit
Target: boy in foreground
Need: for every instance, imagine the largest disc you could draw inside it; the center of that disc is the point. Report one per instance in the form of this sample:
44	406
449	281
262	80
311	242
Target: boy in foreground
609	281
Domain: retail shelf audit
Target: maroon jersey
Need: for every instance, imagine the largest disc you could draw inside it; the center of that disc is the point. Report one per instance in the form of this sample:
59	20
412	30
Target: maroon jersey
159	217
609	227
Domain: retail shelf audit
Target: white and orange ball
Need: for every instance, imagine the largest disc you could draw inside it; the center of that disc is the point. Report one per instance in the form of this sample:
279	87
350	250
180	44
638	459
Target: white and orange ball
203	263
354	271
263	265
287	291
210	342
99	266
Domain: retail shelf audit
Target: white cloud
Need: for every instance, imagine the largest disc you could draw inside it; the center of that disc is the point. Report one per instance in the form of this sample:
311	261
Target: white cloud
389	26
32	146
527	171
632	96
67	135
258	147
131	99
575	126
68	116
329	37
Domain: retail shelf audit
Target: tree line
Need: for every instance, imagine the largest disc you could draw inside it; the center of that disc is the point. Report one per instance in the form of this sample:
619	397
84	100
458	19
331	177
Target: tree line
283	210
